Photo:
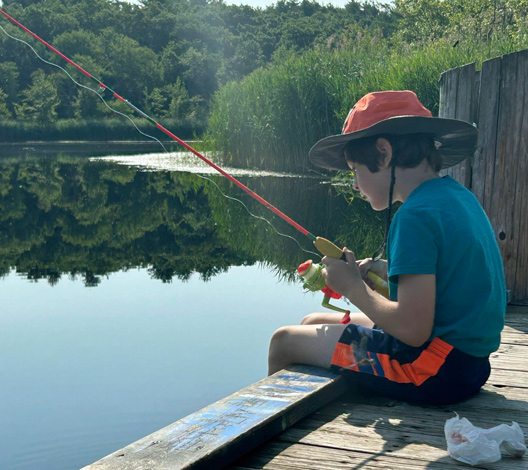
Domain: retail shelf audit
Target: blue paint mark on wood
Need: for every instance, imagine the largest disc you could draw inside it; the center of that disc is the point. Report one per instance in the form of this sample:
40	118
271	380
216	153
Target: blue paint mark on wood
290	387
221	432
302	378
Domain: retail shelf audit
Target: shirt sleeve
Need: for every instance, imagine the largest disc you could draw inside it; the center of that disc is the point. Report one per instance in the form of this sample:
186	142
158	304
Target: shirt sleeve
413	244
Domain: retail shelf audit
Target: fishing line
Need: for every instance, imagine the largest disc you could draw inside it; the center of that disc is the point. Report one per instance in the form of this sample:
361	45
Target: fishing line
326	247
257	216
99	95
83	86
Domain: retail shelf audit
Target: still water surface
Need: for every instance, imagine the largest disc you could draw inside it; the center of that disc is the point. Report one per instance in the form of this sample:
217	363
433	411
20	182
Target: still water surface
134	293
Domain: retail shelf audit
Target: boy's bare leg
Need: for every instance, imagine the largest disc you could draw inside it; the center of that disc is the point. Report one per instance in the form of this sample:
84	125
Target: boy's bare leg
303	344
312	342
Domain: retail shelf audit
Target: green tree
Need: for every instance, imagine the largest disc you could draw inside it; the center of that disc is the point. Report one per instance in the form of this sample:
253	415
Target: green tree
40	101
9	83
86	105
79	43
4	110
140	49
422	20
172	101
199	71
128	65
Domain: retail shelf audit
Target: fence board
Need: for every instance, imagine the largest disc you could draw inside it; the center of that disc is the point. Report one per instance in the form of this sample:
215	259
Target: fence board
504	212
497	99
448	93
520	214
457	91
488	110
448	99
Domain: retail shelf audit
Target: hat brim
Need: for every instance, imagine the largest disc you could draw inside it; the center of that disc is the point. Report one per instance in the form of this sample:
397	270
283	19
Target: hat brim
456	140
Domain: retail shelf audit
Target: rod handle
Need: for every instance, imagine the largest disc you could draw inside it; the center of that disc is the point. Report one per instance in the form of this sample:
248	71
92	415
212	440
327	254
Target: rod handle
327	248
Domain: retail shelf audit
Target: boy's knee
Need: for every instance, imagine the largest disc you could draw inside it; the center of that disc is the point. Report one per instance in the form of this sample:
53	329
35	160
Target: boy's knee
280	338
280	345
310	319
278	356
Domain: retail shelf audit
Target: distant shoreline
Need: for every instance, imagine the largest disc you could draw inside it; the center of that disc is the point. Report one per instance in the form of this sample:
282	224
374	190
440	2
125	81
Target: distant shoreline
92	142
94	130
88	147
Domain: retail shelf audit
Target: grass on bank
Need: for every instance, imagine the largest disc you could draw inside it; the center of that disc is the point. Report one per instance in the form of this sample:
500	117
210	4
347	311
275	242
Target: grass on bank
272	118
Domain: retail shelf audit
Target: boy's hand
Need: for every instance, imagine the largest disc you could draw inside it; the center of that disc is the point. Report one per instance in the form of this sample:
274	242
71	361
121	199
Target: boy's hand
378	267
343	277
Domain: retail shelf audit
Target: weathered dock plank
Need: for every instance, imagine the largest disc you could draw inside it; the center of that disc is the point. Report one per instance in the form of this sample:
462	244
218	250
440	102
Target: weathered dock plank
221	432
369	431
286	456
509	377
514	338
402	429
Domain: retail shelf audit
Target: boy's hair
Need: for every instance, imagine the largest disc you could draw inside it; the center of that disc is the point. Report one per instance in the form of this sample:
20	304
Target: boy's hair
408	151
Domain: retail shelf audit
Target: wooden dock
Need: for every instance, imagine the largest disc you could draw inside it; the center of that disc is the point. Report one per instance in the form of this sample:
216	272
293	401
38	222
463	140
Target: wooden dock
306	418
365	431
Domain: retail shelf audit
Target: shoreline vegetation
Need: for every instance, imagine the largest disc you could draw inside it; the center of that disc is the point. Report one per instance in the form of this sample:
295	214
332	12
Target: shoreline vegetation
259	85
115	129
283	110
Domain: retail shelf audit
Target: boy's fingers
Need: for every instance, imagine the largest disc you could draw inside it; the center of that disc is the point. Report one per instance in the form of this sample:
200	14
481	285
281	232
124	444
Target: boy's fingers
364	266
350	258
328	260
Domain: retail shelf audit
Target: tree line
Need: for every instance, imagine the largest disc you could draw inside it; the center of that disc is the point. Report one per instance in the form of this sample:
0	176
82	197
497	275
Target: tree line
168	57
197	63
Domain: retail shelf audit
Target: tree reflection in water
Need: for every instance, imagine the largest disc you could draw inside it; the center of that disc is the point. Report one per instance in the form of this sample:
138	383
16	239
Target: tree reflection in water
66	215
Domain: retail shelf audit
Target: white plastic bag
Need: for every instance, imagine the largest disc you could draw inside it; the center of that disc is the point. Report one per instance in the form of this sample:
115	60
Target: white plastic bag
469	444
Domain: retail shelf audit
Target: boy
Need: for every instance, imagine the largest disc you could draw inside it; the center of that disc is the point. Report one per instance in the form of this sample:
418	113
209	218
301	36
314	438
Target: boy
430	341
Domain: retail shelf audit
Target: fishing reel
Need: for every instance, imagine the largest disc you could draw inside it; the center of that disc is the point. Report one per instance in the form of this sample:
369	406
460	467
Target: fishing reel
327	248
314	281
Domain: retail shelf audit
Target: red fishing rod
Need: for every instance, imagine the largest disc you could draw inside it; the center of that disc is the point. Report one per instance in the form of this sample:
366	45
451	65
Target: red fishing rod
324	246
164	130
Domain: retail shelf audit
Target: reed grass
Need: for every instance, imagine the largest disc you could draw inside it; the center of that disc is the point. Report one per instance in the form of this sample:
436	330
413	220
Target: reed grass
272	118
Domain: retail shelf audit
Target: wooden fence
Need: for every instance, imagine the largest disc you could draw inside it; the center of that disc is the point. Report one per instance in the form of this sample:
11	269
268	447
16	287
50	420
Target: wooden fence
496	100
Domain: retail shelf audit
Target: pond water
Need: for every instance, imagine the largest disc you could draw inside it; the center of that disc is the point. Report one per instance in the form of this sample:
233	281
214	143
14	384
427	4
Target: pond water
134	292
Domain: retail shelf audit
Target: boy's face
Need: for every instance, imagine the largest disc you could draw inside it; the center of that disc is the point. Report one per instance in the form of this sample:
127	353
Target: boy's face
374	187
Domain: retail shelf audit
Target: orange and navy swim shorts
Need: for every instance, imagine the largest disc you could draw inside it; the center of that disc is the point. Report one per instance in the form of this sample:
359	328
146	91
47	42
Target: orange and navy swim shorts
434	373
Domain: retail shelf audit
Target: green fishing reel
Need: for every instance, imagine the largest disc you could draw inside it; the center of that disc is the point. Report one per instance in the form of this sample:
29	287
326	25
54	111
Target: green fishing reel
310	272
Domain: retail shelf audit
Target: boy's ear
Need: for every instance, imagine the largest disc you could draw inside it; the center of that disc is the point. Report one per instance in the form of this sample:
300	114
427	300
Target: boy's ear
384	148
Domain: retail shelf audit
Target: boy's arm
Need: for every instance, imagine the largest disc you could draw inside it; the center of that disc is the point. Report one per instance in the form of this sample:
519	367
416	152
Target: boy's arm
410	319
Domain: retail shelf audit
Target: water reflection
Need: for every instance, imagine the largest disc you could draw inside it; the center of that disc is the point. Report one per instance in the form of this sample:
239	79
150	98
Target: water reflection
91	370
87	219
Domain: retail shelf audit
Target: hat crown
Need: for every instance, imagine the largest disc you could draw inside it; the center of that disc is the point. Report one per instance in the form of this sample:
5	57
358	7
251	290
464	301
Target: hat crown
378	106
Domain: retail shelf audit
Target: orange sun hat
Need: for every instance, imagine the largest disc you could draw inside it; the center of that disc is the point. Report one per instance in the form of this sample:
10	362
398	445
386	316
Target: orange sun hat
395	113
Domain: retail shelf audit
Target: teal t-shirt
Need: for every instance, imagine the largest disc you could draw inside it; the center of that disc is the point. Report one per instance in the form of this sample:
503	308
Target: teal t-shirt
441	229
